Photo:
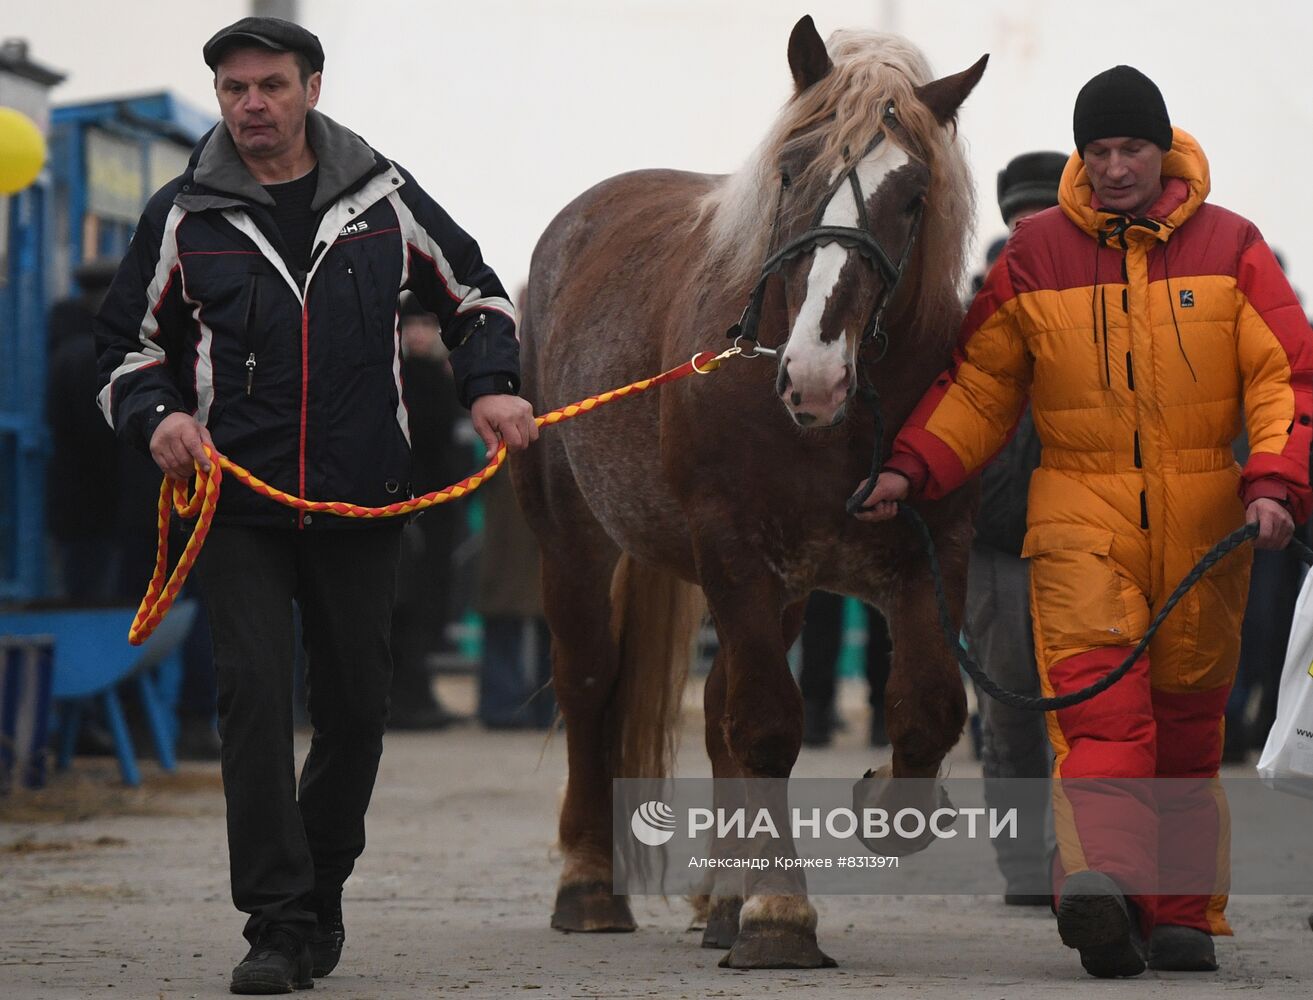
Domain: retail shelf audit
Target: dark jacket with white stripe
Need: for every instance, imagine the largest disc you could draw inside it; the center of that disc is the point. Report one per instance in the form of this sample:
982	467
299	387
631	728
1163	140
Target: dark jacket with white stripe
296	375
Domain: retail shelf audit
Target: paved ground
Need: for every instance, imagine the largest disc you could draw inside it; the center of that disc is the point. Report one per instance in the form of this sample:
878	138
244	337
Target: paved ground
110	893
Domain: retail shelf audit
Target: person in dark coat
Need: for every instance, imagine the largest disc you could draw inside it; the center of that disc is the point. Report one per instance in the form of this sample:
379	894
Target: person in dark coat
424	605
1013	742
82	477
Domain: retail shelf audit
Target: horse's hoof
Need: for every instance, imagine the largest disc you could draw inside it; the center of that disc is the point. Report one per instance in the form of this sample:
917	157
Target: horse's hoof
722	922
776	946
879	789
591	907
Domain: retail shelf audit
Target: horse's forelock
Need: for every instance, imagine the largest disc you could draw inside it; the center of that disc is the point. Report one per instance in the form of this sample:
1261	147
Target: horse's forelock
842	114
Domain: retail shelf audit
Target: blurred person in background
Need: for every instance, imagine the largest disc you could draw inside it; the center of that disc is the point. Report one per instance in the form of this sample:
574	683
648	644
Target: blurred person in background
1013	742
1273	589
515	675
424	576
822	639
82	484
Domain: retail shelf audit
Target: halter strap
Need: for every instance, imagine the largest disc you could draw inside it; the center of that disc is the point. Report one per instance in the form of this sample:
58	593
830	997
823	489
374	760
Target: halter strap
857	238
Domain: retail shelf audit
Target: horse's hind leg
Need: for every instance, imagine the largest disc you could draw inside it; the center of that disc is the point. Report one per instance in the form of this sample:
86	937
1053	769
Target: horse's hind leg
585	660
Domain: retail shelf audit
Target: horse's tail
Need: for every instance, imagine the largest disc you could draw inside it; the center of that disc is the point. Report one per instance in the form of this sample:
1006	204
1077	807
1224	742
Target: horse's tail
654	618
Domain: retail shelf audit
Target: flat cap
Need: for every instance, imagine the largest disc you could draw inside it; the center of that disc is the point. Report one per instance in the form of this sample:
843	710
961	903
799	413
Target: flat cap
271	32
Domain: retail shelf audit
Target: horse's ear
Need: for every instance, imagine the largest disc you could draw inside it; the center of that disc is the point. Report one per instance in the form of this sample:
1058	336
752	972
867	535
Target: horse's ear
943	97
807	56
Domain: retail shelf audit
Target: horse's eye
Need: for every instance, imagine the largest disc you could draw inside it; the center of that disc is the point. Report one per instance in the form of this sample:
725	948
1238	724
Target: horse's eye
785	180
917	202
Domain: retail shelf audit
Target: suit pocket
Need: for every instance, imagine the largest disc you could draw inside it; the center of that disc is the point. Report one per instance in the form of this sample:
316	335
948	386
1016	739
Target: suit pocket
1080	598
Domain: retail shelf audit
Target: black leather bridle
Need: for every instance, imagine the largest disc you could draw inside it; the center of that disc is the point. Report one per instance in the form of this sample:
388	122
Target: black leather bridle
857	238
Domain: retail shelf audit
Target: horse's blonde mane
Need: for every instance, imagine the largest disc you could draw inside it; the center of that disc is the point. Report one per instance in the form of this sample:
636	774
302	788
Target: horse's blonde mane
846	110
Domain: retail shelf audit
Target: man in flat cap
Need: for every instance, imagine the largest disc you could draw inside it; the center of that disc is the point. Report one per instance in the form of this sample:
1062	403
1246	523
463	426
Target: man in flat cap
256	313
1144	324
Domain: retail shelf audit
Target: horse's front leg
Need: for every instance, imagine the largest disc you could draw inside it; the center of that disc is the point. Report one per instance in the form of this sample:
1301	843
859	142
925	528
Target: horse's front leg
761	725
925	703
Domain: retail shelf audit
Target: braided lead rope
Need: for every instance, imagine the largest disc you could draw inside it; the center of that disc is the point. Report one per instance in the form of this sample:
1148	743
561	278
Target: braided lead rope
163	588
1033	704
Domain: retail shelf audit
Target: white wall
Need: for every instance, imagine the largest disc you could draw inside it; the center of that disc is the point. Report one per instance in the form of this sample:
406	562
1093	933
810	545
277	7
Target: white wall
506	109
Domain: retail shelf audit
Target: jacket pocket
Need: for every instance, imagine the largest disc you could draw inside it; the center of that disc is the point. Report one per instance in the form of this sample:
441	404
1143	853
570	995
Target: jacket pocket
375	345
1080	598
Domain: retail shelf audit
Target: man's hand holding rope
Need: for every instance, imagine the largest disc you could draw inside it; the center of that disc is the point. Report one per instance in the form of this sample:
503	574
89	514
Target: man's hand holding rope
504	418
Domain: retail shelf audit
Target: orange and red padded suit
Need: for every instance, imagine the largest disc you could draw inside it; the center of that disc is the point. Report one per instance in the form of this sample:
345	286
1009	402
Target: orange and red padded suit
1142	348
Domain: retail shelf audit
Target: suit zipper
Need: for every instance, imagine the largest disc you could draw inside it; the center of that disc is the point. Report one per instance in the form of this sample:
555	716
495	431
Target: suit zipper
1107	371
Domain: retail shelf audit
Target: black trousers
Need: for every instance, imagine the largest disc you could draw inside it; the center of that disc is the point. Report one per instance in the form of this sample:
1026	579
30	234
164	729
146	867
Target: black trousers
288	848
822	639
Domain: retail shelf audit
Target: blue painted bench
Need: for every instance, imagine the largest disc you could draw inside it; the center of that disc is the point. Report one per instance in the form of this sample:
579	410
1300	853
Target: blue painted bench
92	660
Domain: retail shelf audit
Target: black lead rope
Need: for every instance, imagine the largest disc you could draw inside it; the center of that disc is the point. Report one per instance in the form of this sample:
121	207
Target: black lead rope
1028	703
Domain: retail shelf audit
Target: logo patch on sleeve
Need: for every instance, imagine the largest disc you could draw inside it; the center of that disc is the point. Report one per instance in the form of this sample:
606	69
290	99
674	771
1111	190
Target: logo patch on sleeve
1187	298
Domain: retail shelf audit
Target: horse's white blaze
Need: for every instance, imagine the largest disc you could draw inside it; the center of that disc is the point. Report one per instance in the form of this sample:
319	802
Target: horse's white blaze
817	368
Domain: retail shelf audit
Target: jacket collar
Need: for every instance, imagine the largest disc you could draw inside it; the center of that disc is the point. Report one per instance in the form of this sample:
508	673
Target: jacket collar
220	178
1186	184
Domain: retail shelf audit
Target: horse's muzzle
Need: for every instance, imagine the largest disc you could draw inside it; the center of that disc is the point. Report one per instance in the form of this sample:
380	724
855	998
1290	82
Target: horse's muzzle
813	401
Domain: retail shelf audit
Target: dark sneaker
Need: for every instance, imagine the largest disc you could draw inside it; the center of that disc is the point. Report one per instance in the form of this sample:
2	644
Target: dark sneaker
1181	949
1095	918
278	962
330	935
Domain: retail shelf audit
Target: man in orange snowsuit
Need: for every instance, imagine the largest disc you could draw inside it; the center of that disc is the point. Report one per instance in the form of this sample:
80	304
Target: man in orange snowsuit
1144	324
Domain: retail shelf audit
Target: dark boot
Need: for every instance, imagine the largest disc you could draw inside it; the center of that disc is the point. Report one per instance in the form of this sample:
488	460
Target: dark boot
278	962
1095	918
330	935
817	723
1181	949
879	736
1026	899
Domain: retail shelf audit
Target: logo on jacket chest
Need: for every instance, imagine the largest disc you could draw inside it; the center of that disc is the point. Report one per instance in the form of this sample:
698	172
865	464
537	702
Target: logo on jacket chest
351	228
1187	298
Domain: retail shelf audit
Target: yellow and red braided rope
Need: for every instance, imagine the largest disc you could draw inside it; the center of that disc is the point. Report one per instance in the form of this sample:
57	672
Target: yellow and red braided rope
163	588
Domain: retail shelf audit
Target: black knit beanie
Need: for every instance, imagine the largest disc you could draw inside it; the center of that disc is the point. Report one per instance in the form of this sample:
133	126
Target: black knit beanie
1121	101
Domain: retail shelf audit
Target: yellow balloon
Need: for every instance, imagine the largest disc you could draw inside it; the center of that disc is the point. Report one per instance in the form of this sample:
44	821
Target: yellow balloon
22	151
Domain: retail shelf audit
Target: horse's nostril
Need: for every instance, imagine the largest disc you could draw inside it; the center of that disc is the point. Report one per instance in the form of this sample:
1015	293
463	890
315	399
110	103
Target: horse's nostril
796	398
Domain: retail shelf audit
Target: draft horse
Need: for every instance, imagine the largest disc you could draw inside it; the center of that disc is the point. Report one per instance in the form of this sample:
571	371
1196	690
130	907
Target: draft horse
731	488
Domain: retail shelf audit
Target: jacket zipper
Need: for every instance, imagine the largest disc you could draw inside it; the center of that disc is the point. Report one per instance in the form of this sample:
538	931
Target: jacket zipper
250	320
305	399
365	330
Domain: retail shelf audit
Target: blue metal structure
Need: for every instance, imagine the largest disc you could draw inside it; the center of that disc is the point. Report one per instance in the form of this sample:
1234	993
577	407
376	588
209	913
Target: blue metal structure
106	159
24	245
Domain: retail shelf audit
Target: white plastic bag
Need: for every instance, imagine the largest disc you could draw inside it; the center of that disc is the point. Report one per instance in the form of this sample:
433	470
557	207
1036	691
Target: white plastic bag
1286	763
